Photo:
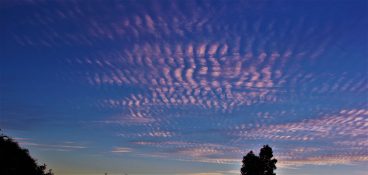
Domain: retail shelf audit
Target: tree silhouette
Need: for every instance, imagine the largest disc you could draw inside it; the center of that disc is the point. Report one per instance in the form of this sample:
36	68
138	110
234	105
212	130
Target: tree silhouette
251	164
16	161
259	165
269	164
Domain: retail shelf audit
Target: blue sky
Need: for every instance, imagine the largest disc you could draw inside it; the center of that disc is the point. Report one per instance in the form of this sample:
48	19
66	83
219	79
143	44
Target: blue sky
186	87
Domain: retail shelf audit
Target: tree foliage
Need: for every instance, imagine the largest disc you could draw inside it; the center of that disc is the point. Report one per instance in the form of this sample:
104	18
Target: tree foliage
17	161
259	165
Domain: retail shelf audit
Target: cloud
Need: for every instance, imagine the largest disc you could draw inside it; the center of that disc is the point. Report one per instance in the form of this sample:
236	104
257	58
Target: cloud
53	147
347	123
200	84
121	150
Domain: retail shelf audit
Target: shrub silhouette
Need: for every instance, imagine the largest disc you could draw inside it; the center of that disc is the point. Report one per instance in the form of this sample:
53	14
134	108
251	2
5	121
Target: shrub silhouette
16	161
259	165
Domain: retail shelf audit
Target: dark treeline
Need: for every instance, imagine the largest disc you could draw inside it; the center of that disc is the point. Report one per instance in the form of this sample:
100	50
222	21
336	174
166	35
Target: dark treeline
15	160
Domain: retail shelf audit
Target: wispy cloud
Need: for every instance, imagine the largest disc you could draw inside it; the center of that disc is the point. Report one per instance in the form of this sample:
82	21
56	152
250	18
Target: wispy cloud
55	147
121	150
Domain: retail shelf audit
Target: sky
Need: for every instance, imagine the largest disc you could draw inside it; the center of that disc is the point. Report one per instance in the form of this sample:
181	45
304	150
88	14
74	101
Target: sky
186	87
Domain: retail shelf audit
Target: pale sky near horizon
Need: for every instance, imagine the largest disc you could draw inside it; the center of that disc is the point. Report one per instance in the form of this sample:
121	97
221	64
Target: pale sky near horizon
186	87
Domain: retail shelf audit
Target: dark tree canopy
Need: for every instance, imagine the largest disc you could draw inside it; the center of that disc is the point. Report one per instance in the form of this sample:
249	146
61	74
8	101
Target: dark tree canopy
259	165
15	160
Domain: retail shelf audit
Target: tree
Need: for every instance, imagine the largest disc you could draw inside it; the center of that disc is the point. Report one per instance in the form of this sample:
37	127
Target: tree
16	160
251	164
259	165
269	164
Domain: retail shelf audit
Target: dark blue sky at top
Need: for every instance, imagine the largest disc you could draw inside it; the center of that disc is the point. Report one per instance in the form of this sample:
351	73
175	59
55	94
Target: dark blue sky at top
186	82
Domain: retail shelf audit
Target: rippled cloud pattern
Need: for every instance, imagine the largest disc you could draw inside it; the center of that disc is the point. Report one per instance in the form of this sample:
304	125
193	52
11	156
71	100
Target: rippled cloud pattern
190	81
